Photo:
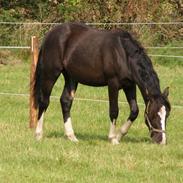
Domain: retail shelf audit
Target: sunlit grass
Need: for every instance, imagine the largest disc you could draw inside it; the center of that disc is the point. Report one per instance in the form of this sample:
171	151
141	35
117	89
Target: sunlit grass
93	159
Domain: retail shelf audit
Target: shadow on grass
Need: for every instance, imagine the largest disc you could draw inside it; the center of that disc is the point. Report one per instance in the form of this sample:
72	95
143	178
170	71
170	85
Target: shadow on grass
55	134
89	137
84	137
138	139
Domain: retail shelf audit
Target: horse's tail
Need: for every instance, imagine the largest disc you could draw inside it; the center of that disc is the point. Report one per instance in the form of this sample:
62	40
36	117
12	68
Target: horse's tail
37	84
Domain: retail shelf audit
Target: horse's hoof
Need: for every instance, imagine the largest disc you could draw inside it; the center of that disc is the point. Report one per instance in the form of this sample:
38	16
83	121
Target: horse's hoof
119	136
38	136
72	138
114	141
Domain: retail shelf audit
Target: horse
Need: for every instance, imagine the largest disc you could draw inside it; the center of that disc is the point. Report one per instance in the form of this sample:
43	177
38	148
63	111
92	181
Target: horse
97	57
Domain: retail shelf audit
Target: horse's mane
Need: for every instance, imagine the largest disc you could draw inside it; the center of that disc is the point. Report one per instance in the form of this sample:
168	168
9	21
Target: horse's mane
131	45
146	75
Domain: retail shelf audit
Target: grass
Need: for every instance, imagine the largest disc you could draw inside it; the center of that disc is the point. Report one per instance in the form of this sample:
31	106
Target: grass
93	159
169	61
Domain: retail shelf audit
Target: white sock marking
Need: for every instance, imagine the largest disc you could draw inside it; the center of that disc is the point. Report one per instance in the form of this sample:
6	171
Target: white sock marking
124	129
69	130
112	133
39	128
112	130
162	114
68	127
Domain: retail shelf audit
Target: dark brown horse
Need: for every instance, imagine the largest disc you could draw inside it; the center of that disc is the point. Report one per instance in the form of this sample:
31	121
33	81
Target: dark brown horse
99	58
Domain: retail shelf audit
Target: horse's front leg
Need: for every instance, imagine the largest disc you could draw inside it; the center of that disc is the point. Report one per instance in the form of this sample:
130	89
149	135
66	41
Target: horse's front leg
130	93
113	110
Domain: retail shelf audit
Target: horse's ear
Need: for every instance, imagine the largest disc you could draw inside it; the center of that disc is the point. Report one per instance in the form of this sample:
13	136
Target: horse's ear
166	92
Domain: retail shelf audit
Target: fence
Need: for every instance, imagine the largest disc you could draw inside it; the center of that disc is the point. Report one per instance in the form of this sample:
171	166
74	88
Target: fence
34	52
29	26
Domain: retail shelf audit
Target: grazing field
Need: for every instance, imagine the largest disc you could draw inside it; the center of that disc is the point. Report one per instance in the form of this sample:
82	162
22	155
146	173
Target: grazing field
93	159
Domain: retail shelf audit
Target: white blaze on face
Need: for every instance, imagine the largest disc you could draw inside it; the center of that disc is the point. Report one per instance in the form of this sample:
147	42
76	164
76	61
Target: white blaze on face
162	114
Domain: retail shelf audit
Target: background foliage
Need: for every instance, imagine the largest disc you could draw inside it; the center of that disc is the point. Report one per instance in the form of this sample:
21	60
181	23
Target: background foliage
94	11
108	11
136	159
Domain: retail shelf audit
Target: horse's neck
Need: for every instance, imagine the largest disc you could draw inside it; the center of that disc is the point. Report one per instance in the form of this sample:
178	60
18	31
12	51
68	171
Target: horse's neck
149	92
146	78
145	96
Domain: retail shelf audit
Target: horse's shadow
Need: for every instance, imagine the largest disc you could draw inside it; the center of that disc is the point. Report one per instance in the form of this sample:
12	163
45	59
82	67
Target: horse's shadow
94	137
130	139
80	136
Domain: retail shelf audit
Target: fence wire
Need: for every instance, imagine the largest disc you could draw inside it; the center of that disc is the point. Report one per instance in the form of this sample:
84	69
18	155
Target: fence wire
23	41
77	99
25	29
94	23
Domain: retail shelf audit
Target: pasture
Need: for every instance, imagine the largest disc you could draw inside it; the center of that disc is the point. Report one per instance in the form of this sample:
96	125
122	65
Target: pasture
93	159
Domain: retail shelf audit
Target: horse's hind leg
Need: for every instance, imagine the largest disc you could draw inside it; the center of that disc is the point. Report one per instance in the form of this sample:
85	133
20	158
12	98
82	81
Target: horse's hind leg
66	103
113	109
46	88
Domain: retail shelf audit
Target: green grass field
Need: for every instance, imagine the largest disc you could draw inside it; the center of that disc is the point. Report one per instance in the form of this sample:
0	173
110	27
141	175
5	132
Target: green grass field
93	159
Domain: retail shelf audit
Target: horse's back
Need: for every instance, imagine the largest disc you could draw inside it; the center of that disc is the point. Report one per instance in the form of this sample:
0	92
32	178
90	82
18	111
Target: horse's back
89	55
62	36
54	46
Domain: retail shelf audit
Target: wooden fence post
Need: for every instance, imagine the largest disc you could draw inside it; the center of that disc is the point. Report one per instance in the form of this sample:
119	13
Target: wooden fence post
34	53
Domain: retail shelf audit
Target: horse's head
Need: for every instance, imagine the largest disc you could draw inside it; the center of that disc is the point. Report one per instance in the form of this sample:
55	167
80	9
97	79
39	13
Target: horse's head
156	114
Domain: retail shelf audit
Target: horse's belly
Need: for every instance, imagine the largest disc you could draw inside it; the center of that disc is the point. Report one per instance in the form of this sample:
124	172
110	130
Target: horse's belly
89	79
87	76
93	83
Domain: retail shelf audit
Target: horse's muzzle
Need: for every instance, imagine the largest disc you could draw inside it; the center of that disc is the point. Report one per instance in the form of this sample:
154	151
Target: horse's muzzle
159	137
